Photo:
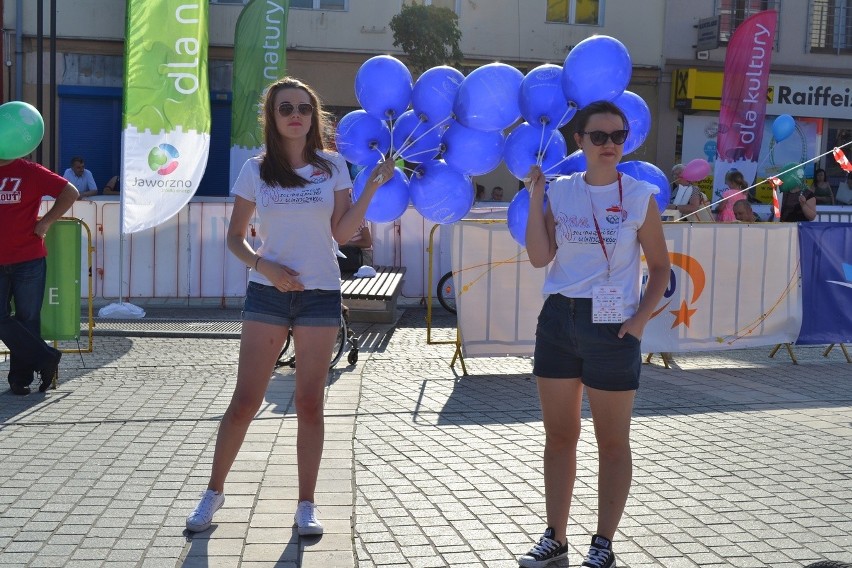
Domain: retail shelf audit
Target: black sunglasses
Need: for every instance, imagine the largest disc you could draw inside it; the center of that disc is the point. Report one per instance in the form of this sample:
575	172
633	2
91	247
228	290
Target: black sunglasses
599	137
286	109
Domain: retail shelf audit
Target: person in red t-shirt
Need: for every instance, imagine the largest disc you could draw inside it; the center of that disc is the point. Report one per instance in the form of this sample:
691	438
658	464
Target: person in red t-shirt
23	267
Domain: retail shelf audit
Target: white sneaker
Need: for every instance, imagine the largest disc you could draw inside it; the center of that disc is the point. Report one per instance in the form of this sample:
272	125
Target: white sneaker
306	519
200	519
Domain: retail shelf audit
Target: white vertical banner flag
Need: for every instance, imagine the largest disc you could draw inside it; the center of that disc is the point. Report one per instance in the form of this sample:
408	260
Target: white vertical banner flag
166	116
731	286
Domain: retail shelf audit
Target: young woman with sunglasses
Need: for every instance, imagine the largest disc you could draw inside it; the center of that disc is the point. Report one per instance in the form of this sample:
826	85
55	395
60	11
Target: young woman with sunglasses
300	193
589	233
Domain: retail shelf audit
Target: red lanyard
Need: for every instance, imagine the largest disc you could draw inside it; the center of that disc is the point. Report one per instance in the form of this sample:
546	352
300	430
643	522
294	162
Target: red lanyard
598	227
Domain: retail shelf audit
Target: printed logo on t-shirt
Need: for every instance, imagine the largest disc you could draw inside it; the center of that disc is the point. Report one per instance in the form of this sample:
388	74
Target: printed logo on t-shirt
581	229
10	192
614	213
296	196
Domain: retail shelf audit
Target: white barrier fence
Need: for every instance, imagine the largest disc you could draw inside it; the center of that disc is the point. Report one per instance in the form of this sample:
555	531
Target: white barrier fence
732	286
186	257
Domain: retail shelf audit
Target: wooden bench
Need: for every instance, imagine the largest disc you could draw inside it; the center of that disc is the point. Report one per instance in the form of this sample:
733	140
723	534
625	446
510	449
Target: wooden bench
373	299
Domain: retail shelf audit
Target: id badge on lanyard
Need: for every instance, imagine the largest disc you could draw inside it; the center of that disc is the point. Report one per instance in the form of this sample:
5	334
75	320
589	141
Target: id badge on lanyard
608	300
607	304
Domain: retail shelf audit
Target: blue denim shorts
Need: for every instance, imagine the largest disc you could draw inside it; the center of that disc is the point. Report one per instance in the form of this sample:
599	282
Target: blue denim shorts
310	308
569	345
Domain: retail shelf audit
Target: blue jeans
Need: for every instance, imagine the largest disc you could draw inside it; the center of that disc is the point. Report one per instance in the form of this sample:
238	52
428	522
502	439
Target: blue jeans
309	308
24	282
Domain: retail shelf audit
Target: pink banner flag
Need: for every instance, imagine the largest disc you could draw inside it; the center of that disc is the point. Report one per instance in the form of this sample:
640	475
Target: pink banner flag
744	91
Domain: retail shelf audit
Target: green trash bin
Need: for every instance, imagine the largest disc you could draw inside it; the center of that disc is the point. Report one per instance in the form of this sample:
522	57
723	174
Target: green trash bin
60	310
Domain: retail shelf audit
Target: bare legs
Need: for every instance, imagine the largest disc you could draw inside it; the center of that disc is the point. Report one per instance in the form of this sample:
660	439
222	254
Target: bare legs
611	412
561	401
313	354
260	345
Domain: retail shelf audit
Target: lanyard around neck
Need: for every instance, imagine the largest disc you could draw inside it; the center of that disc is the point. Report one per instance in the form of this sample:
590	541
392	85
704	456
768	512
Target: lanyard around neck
598	227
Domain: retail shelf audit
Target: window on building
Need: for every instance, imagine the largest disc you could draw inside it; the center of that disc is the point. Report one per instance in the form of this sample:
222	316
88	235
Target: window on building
587	12
339	5
732	13
831	26
449	4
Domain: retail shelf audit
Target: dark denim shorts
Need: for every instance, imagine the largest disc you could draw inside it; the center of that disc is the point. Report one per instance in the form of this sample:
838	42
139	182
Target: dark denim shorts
311	308
569	345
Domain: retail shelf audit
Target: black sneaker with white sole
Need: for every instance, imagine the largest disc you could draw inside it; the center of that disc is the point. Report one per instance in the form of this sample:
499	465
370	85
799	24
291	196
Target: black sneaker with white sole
546	551
600	553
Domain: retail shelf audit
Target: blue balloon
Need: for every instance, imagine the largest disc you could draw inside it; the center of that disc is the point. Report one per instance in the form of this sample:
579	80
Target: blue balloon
527	145
651	174
472	152
435	92
383	87
542	100
440	193
598	68
391	199
488	97
361	138
415	139
638	119
518	213
783	127
575	162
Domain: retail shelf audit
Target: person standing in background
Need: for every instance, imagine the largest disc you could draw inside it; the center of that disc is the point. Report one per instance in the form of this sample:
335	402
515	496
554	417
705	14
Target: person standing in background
736	192
822	189
23	268
81	178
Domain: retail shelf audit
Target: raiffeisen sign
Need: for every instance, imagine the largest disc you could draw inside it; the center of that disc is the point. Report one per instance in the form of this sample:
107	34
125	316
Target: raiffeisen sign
809	96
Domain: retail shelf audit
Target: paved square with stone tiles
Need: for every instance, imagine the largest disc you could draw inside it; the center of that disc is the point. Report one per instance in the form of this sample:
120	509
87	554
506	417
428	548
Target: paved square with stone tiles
740	460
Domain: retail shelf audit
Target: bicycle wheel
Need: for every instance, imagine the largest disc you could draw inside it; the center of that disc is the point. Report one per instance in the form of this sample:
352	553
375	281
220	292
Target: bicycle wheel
287	358
339	343
447	292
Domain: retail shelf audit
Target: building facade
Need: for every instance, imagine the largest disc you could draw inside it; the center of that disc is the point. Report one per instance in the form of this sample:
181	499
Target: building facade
327	41
810	79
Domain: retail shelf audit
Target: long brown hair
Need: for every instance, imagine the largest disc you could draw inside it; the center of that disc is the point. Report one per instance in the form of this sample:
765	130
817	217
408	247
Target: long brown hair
274	167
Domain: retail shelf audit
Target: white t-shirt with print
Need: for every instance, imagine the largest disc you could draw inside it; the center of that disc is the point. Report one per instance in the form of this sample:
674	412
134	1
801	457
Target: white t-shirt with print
580	264
295	222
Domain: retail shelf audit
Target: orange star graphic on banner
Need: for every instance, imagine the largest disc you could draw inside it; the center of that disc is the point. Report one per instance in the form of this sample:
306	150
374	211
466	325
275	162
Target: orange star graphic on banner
682	315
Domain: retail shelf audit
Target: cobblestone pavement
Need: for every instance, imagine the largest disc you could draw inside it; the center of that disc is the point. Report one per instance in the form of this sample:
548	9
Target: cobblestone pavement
740	460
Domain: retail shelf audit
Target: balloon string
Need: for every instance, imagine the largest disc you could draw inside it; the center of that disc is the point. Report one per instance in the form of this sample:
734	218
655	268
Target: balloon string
556	164
555	130
540	156
405	145
430	152
769	155
778	175
382	154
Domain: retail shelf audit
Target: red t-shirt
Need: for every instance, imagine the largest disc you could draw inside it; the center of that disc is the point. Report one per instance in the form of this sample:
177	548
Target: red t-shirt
22	185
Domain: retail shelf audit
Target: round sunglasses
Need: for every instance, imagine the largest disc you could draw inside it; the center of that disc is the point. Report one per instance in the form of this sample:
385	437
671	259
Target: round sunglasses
286	109
599	138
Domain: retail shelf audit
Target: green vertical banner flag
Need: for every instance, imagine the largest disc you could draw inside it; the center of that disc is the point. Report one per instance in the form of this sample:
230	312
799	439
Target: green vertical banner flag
166	117
60	309
260	57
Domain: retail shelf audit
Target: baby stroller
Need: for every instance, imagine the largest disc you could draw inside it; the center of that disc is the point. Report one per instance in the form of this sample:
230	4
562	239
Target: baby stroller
345	336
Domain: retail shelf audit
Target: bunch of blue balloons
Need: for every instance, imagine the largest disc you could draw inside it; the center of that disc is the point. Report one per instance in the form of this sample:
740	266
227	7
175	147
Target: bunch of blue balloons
454	127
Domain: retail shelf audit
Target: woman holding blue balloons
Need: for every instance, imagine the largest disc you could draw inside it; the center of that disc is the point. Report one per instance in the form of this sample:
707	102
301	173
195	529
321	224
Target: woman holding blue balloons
589	232
300	192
